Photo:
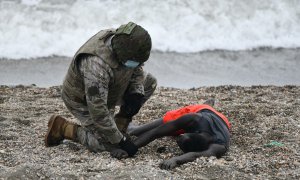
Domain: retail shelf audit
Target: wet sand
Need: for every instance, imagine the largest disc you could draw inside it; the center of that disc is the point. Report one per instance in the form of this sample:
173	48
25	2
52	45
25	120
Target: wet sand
265	137
212	68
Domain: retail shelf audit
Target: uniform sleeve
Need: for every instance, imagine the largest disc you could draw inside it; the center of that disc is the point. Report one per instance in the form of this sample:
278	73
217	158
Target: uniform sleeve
136	84
96	76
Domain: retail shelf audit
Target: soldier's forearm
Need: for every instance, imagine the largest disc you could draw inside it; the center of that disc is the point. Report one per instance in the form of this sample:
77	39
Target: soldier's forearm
137	81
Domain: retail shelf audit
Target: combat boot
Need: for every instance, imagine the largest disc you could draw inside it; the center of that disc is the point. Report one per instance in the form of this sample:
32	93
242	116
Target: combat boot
59	129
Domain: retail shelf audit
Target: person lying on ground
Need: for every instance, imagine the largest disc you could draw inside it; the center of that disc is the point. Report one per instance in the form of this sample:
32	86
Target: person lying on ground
200	130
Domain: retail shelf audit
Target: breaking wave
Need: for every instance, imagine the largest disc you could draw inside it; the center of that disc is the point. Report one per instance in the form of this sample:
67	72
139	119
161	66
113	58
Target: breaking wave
34	28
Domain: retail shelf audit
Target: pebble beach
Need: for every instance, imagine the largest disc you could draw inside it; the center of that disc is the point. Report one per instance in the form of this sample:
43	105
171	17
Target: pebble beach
264	137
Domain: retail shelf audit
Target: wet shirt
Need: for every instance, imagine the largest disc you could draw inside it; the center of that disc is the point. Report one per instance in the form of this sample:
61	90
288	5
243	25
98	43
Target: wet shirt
212	122
175	114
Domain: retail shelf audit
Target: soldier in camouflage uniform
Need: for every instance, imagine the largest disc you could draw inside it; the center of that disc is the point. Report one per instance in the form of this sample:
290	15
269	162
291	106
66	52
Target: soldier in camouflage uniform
105	72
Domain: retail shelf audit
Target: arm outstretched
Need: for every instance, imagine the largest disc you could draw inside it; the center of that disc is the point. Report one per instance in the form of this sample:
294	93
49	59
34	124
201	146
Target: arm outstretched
213	150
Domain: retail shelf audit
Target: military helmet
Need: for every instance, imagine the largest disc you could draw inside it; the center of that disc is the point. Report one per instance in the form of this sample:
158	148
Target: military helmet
131	42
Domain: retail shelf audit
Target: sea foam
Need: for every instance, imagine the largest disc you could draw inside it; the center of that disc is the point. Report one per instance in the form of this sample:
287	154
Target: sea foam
34	28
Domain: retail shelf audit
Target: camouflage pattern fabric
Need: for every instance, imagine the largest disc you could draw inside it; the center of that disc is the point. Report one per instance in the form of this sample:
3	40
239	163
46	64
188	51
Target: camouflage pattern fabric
104	88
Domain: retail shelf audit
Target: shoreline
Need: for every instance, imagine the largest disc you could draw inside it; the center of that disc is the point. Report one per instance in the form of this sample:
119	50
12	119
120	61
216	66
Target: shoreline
262	66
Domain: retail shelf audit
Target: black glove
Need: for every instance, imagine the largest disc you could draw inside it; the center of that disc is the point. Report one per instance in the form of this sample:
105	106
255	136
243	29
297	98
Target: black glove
132	104
127	145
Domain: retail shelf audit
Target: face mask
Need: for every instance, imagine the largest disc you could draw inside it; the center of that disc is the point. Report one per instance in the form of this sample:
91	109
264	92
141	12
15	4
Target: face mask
131	64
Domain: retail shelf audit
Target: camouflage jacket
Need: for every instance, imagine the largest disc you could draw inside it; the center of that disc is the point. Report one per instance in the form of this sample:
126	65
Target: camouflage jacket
96	82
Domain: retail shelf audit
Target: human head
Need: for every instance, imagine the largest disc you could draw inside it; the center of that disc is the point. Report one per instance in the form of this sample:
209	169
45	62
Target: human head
131	42
193	142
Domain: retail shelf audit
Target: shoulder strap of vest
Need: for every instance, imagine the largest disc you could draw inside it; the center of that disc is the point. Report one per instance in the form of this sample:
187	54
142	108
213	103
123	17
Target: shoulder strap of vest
105	52
96	46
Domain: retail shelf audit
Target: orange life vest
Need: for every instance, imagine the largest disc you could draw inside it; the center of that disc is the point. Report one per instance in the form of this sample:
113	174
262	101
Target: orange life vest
175	114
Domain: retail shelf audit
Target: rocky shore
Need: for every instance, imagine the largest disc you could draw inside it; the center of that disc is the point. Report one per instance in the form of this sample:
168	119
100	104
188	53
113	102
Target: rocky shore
265	137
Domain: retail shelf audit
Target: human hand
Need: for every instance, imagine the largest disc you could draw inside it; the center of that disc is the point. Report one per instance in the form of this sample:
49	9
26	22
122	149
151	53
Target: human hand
127	145
169	164
119	153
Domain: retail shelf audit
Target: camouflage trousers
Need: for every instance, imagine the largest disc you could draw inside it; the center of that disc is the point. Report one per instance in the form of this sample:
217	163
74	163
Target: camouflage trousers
89	136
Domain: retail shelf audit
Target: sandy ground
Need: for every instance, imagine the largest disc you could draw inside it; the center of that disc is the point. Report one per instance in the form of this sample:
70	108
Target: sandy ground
265	137
186	70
